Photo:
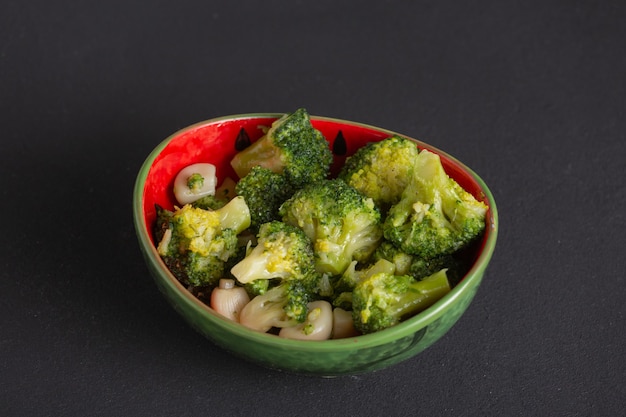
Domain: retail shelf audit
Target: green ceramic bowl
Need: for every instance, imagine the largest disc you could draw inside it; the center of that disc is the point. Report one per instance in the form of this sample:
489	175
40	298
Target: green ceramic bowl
216	141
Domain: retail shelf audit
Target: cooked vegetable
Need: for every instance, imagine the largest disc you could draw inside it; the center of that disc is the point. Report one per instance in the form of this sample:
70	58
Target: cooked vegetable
196	243
385	299
291	147
283	258
264	192
195	181
317	326
416	266
381	170
223	194
228	299
343	325
401	260
281	306
288	249
343	224
352	276
283	251
435	216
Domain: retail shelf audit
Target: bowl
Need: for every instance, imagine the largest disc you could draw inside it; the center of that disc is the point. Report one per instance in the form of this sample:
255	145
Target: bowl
216	141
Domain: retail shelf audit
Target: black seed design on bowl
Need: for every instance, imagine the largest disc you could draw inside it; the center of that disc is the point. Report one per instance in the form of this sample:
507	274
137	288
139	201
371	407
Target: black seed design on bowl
339	145
242	141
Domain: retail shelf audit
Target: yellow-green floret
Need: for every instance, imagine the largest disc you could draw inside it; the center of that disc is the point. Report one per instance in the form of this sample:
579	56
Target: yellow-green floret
291	147
384	299
381	170
343	224
435	215
196	243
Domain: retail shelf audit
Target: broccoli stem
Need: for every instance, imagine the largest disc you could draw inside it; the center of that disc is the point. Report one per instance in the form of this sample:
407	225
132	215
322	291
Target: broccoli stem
263	153
423	294
235	215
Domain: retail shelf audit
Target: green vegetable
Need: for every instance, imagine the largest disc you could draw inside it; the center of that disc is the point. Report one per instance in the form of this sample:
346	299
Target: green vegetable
257	287
421	268
343	224
383	241
418	268
195	182
264	192
401	260
281	270
283	305
283	251
347	282
435	216
209	202
223	194
195	243
383	300
291	147
381	170
352	276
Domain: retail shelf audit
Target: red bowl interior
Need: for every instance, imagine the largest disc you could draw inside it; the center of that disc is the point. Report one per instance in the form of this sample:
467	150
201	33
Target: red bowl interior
216	142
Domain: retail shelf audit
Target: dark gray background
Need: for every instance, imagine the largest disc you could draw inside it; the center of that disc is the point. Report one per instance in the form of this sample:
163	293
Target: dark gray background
530	95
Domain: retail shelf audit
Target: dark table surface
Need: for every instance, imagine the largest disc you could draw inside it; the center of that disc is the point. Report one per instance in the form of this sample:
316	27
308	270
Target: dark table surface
531	95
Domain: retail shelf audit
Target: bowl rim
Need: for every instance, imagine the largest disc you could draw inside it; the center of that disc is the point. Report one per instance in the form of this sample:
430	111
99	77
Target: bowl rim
403	329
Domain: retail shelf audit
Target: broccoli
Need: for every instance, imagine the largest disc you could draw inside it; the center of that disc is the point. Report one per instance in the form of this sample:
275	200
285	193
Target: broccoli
435	215
422	268
195	243
223	194
352	276
401	260
282	305
291	147
381	170
343	224
257	287
264	192
384	299
347	282
280	271
195	182
417	267
283	251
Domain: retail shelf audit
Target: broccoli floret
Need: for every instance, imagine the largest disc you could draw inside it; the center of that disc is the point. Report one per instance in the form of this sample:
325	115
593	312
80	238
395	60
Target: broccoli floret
381	170
264	192
195	243
162	222
343	301
209	202
223	194
417	267
347	282
291	147
195	182
257	287
384	300
422	268
283	305
283	251
343	224
352	276
388	251
435	216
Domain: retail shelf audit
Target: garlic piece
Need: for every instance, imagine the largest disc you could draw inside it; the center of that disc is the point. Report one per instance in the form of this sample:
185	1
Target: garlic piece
317	326
194	182
343	324
228	299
